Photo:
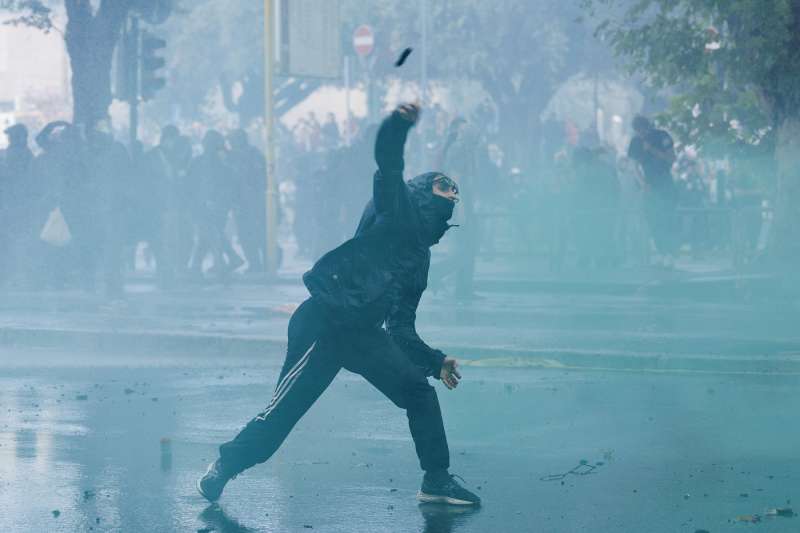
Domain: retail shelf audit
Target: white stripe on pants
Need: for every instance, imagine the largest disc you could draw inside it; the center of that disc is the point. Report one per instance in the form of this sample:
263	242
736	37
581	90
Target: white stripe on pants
286	383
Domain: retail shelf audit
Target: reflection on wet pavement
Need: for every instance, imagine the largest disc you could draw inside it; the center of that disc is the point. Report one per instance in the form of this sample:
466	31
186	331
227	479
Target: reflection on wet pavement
445	519
215	519
94	445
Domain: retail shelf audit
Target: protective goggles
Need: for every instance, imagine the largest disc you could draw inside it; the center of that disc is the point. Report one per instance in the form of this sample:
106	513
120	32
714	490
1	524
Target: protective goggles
446	185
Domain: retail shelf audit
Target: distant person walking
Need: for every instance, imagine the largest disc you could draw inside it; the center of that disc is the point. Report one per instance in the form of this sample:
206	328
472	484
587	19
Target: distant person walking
653	150
215	186
250	168
167	166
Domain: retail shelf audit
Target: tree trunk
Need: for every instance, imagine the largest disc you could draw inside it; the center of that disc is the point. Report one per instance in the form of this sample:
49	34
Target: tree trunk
91	40
785	242
91	87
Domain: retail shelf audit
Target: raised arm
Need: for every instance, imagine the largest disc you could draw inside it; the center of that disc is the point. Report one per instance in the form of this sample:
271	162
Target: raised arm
389	147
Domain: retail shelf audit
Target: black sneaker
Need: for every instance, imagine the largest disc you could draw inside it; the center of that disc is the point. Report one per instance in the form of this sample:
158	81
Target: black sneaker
211	484
443	488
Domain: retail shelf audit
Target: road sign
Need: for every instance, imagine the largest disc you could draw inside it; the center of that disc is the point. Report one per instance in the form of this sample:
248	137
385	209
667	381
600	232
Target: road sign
363	40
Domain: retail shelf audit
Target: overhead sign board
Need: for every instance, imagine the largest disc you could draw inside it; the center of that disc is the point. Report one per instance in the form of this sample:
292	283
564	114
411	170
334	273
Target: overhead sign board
311	38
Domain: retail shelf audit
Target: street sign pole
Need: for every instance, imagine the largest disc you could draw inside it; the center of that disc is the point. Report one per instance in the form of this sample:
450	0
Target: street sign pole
363	43
424	84
347	124
270	249
132	73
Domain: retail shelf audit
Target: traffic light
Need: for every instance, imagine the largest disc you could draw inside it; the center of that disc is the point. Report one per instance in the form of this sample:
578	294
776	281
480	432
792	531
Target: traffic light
150	63
126	63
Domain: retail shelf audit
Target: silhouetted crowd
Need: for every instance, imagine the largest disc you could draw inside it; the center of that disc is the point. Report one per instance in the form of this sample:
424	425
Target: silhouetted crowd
86	211
76	214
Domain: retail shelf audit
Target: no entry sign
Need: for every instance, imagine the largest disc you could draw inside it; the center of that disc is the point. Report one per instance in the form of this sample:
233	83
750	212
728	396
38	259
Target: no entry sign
363	40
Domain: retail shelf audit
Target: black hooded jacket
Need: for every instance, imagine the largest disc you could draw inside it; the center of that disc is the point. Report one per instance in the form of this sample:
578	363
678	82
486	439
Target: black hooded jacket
379	275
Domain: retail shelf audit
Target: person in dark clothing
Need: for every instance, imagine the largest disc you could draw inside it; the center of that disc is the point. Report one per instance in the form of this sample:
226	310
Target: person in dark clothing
376	277
166	166
250	168
213	180
653	150
102	244
16	159
15	197
60	180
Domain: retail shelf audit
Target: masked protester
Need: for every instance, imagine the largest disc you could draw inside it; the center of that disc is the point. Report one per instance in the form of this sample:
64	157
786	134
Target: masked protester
375	278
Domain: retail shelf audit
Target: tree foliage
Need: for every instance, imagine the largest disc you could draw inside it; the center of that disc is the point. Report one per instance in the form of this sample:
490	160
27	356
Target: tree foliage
33	13
735	63
210	41
91	35
519	51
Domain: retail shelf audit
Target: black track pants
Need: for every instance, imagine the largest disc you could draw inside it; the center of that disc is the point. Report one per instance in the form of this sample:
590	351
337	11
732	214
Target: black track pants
315	354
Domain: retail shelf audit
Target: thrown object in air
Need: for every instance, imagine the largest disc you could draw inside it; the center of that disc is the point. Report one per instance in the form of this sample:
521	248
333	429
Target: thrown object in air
403	57
752	518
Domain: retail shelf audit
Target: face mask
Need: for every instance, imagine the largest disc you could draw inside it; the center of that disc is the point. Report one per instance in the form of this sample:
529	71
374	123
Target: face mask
437	211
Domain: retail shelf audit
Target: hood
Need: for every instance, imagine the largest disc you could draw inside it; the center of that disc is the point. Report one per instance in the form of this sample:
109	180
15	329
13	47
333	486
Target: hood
434	210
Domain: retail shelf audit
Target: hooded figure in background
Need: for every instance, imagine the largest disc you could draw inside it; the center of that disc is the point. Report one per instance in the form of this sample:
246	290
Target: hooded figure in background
375	278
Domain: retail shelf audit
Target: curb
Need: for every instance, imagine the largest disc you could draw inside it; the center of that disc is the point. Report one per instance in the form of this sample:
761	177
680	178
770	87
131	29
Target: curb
146	343
697	287
573	360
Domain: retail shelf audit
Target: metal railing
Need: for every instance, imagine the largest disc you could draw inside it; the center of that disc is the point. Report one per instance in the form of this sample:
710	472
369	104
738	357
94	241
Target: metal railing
737	233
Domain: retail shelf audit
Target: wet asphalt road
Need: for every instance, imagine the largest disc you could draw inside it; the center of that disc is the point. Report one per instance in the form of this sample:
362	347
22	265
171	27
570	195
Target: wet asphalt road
671	452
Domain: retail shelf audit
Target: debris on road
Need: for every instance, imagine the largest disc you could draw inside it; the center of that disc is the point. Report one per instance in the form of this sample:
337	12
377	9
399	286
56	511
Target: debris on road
751	518
781	511
166	453
583	469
